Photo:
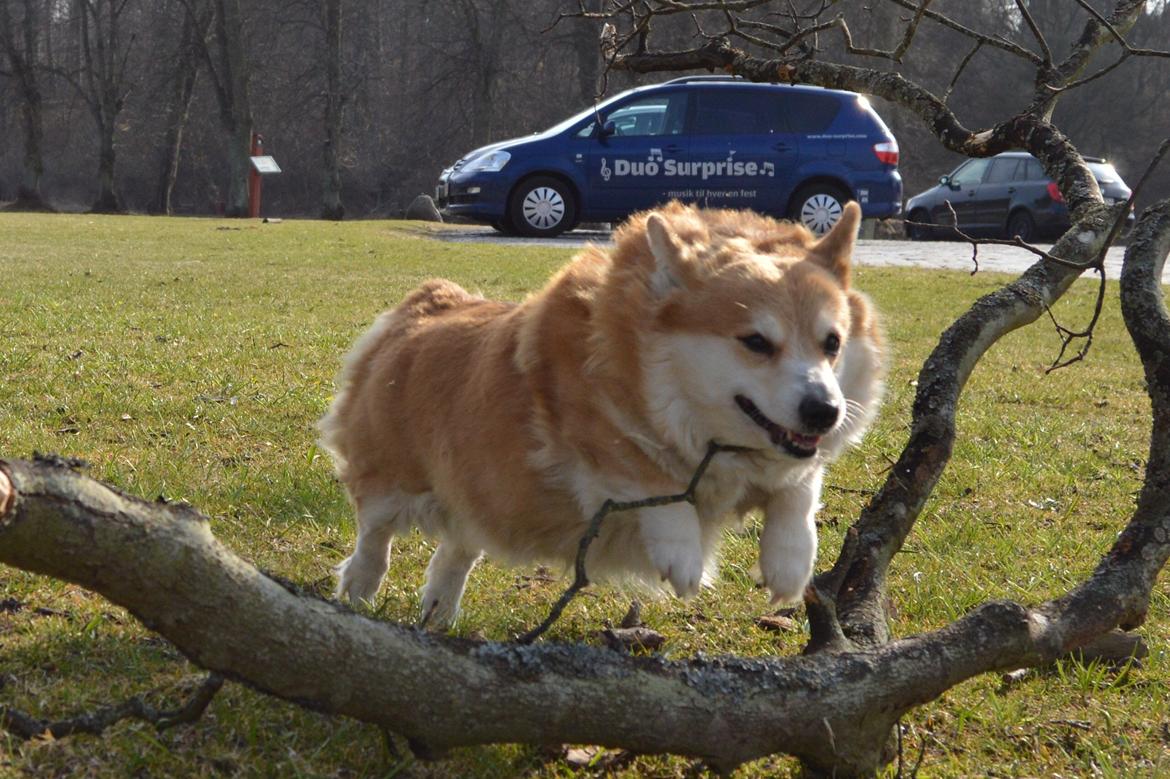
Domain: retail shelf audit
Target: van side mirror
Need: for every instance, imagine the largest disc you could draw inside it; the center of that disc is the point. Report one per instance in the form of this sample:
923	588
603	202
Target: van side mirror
608	129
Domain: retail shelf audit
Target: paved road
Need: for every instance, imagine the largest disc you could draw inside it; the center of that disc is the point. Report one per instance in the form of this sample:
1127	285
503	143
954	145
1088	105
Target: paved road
940	255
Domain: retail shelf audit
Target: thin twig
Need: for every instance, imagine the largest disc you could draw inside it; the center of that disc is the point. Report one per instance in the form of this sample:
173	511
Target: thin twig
581	578
1067	335
1022	7
26	727
1013	241
959	71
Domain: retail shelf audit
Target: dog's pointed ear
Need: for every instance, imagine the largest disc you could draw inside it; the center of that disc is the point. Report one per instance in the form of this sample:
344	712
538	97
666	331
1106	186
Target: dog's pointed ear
667	251
834	252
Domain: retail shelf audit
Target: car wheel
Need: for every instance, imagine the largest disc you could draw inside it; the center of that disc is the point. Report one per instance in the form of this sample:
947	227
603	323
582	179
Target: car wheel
504	226
1021	225
921	230
543	206
818	207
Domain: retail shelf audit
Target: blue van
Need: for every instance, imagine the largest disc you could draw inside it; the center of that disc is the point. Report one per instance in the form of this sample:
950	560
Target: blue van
794	152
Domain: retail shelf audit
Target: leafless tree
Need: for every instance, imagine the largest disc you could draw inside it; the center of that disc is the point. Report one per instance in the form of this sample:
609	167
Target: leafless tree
103	80
20	34
225	56
192	38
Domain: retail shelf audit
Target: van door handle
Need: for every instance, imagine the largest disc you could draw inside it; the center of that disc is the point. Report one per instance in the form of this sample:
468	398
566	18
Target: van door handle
780	146
673	148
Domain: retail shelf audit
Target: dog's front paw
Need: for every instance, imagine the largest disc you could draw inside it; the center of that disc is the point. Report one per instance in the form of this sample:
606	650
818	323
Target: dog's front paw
679	563
786	577
438	614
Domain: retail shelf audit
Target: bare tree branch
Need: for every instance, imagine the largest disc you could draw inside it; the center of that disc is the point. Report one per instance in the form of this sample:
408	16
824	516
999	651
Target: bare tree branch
833	710
1046	52
987	40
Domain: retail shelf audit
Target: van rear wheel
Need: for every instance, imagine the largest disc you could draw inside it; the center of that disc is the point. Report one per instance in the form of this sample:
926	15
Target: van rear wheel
818	207
543	206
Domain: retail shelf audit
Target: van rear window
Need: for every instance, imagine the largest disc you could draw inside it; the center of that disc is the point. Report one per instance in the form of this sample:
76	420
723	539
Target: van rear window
808	113
735	112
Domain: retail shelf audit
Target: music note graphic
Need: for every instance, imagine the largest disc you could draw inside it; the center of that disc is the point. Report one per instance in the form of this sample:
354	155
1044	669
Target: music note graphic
655	154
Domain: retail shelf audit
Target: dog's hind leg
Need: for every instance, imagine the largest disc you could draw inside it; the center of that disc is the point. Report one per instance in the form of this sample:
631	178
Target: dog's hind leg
446	578
361	573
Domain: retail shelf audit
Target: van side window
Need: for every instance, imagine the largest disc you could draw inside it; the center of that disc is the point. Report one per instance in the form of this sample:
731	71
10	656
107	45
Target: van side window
656	115
809	113
735	112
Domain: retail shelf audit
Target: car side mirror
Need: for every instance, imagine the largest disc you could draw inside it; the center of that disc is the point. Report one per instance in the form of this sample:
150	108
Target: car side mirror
946	181
608	129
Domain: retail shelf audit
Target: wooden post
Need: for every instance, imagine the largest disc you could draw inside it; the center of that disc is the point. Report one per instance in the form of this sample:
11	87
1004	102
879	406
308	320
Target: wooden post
254	177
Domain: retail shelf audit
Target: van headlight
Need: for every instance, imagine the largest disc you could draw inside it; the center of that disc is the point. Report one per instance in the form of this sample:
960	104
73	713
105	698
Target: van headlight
491	162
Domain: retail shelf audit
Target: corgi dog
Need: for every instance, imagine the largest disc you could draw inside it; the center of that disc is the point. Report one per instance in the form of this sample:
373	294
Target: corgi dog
500	428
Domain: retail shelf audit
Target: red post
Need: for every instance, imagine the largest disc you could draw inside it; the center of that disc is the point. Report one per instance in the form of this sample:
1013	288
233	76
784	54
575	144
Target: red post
254	178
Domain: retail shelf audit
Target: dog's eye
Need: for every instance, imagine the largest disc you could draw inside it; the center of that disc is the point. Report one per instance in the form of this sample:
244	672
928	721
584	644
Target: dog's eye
758	344
832	344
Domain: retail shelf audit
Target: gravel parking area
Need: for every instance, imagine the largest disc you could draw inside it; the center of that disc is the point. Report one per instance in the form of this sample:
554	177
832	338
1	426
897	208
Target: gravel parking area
938	255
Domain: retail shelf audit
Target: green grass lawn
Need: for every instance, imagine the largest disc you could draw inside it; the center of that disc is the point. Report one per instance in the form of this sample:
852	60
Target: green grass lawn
191	358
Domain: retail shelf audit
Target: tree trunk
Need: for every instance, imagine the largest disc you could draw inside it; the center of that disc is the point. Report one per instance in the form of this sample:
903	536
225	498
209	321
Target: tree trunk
331	207
102	81
22	59
107	201
235	104
178	111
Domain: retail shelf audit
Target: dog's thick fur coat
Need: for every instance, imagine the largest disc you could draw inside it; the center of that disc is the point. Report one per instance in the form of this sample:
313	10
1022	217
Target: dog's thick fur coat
500	428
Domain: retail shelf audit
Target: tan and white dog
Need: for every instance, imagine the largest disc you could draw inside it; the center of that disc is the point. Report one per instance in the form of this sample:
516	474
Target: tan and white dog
500	428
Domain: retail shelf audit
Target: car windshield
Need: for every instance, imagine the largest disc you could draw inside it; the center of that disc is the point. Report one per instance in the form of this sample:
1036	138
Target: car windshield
585	114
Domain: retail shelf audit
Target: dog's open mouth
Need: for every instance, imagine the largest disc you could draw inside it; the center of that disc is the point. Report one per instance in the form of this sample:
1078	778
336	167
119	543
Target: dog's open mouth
796	444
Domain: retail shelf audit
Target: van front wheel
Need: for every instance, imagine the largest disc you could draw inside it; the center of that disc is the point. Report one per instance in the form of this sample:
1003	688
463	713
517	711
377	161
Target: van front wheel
543	206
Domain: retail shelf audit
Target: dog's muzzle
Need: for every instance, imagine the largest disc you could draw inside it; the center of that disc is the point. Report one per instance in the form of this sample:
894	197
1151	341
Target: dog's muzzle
795	444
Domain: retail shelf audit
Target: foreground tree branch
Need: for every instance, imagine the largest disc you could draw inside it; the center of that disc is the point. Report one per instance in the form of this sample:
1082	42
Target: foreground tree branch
833	710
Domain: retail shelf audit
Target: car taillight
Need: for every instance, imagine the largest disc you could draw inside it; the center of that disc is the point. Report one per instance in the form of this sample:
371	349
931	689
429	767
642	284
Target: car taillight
1054	192
886	152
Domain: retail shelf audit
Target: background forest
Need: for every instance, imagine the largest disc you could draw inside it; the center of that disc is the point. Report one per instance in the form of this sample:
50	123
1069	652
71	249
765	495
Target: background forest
146	105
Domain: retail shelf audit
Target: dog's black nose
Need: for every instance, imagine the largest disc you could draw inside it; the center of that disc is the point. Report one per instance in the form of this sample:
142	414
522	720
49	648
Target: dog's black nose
818	415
